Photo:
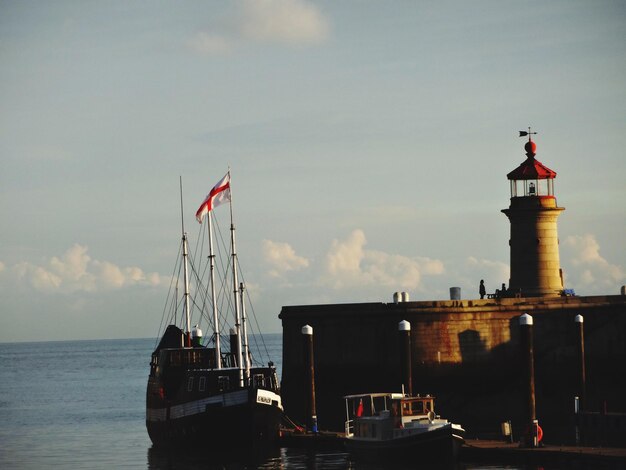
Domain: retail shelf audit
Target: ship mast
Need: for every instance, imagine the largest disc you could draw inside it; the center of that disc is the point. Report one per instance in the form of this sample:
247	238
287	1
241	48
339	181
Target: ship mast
242	379
218	355
185	269
246	344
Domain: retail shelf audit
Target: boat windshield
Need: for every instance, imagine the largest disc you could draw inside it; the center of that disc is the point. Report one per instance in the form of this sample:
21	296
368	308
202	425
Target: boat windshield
372	405
417	406
367	405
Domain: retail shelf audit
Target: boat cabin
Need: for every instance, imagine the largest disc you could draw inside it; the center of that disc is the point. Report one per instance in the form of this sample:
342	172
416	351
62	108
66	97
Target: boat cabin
377	415
196	368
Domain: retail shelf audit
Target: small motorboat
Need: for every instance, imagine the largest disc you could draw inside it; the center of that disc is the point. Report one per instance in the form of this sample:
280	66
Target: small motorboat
397	426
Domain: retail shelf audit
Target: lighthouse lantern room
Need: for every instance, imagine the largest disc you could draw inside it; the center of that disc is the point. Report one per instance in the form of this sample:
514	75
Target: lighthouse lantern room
531	178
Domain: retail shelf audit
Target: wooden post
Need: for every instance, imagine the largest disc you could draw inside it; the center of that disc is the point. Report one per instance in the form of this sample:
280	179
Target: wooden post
528	369
309	364
580	342
404	330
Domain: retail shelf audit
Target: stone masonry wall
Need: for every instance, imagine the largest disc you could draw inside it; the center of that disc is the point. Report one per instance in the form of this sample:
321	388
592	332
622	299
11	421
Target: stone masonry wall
464	352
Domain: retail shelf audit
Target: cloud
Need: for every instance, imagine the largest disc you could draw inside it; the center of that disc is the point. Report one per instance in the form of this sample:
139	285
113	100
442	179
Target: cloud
282	258
589	270
291	22
286	21
75	271
349	268
345	256
349	264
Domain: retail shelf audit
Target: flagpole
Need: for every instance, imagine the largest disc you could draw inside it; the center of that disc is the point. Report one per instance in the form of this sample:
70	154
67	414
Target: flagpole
236	289
216	329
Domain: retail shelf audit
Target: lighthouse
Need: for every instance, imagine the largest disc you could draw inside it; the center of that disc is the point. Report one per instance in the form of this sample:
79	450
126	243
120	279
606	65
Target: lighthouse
534	243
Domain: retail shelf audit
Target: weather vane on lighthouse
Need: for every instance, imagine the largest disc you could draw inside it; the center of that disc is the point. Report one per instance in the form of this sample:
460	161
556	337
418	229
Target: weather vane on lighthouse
524	134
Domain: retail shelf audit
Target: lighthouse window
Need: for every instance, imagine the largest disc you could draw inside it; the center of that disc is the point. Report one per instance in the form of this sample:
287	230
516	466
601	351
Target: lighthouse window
190	384
202	384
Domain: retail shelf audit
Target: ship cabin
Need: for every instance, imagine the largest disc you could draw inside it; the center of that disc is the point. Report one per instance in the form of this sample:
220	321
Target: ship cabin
193	371
376	415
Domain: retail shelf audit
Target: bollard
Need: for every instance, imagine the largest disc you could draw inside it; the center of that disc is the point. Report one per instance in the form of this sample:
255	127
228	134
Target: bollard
309	364
526	336
535	433
580	342
577	420
404	330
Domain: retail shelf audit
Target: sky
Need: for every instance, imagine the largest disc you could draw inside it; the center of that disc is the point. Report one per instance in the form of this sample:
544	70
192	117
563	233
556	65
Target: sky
368	145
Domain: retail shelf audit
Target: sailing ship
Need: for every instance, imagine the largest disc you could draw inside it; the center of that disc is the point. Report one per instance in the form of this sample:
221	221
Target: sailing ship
199	393
396	426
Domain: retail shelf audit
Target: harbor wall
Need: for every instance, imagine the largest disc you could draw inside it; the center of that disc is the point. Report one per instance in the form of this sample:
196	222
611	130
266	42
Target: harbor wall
465	352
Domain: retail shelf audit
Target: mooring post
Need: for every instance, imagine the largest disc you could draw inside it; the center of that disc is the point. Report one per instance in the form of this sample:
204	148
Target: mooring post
577	420
404	330
580	343
528	364
309	365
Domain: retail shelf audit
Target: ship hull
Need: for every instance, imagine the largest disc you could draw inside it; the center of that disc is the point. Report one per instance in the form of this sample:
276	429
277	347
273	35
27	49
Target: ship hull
439	445
230	420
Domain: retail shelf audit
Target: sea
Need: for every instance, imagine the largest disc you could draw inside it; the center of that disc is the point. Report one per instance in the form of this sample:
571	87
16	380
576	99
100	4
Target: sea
81	405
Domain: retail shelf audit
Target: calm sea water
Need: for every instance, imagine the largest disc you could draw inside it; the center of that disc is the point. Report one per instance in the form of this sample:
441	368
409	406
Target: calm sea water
81	405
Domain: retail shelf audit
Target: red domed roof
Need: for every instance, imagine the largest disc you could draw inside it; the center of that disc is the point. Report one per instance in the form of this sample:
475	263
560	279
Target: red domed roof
531	169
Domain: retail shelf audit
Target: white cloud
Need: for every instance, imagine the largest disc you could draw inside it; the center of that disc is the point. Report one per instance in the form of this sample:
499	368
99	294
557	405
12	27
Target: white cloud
261	21
73	265
39	278
288	21
589	271
282	258
349	264
345	257
75	271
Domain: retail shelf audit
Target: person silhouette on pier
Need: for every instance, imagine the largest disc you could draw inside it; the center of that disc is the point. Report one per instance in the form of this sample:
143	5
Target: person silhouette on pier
481	289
